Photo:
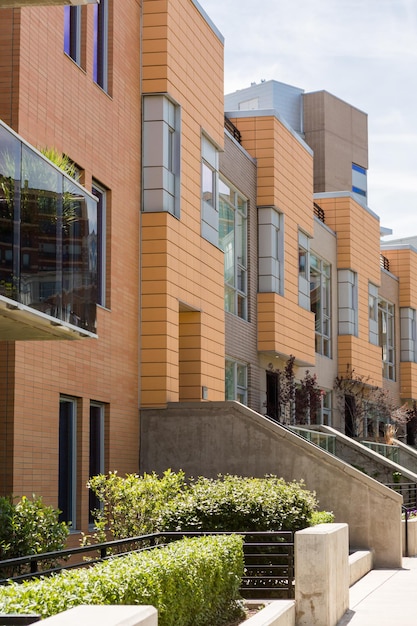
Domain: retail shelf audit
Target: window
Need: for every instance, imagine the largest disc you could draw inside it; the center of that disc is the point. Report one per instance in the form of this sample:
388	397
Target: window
386	321
233	242
303	270
326	409
347	302
236	381
359	183
72	32
101	194
101	43
271	251
209	191
408	334
67	472
373	314
249	105
161	155
96	456
320	304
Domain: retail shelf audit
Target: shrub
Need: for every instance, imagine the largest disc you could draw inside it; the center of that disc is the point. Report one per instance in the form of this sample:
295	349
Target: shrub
131	505
234	503
193	582
29	527
321	517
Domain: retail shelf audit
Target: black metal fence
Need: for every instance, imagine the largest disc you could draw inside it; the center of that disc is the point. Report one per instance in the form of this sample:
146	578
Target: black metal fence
268	556
18	620
409	505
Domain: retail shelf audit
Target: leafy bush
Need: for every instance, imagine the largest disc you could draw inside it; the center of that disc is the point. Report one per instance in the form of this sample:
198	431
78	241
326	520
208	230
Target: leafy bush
234	503
193	582
321	517
29	527
131	505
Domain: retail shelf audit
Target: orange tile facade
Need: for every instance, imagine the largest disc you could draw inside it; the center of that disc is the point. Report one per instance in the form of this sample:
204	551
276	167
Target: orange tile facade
59	105
163	334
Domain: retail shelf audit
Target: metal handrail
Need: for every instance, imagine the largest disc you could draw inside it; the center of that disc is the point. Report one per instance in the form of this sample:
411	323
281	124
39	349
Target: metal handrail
408	490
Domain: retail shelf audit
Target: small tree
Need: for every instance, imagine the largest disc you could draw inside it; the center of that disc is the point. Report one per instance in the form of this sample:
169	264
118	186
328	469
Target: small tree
300	401
412	425
29	527
368	409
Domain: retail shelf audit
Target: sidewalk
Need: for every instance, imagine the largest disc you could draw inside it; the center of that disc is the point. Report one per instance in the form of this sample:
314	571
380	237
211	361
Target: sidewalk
384	598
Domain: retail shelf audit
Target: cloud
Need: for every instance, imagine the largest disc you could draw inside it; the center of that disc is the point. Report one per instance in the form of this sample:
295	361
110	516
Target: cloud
363	51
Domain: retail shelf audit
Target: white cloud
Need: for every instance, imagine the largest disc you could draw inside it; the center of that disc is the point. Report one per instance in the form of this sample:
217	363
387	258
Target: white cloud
363	51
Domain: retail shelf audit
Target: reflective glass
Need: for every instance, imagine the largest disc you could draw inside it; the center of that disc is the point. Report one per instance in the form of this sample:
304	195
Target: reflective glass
10	151
208	184
40	215
48	236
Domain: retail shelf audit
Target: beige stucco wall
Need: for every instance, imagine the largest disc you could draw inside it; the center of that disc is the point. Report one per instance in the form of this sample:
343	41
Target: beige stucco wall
226	437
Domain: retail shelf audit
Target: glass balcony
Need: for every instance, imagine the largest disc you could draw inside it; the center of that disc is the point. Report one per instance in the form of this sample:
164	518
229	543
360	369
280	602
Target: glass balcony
48	244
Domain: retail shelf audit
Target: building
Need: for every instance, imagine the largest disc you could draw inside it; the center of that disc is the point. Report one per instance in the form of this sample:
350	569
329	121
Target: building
221	247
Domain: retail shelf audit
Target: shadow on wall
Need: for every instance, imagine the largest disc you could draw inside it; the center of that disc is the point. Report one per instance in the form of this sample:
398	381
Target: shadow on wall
211	438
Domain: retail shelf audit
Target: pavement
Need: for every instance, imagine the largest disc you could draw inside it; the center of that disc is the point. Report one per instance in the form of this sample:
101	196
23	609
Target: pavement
384	598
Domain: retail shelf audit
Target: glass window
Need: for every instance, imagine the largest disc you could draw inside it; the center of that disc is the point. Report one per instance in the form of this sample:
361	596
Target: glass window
72	32
386	320
161	155
79	258
48	246
233	242
236	381
347	294
359	182
67	472
326	409
101	42
408	331
209	191
96	457
373	313
208	184
303	270
320	303
270	251
10	164
101	194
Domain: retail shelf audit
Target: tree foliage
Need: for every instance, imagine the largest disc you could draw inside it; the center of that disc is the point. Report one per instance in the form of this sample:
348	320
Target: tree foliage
365	405
234	503
29	527
299	400
138	505
131	506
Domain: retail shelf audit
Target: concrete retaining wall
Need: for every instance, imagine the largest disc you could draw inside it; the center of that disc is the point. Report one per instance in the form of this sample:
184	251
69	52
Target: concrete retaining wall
209	438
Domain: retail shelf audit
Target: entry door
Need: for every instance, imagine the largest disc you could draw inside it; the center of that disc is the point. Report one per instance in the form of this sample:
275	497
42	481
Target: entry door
272	395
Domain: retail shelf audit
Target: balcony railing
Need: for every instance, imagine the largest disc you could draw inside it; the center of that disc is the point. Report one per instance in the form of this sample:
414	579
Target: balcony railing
384	262
318	212
231	128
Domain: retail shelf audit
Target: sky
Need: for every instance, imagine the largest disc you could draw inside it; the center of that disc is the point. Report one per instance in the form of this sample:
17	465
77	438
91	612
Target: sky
362	51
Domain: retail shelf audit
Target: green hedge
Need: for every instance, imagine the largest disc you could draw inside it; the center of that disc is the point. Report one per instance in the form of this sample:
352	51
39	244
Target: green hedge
192	582
131	505
137	505
29	527
234	503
